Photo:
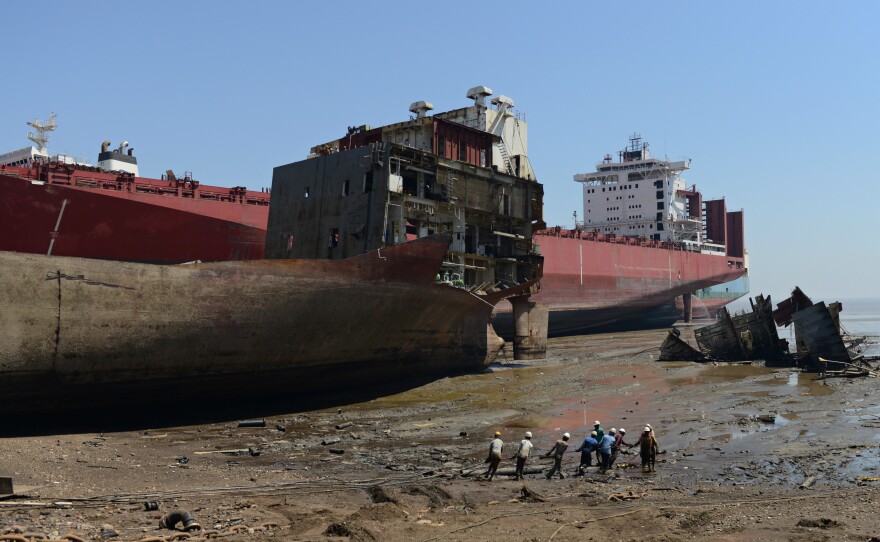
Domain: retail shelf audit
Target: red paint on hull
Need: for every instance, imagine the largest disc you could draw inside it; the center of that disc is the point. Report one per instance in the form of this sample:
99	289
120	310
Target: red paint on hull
587	273
595	281
126	224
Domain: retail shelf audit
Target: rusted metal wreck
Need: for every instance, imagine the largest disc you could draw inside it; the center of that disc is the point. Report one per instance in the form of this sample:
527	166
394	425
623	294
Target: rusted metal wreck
674	348
820	346
816	330
744	336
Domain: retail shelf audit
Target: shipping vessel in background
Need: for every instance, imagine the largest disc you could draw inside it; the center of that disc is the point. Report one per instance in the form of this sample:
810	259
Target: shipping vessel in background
645	243
373	273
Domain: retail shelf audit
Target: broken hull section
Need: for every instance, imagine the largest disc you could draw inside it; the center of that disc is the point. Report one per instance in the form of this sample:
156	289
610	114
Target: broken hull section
86	330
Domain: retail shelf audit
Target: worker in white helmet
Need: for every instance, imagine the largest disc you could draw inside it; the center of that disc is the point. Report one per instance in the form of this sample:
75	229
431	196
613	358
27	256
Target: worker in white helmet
618	443
557	452
648	450
605	451
600	433
522	454
587	447
494	457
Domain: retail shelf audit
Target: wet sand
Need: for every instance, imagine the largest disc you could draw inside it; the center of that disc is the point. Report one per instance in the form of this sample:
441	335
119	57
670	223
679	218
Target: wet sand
398	471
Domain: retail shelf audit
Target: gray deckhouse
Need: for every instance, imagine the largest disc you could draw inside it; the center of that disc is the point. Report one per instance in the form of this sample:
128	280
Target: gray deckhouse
465	171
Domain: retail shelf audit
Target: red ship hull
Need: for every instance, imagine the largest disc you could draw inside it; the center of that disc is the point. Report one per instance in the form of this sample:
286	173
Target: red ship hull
91	214
597	281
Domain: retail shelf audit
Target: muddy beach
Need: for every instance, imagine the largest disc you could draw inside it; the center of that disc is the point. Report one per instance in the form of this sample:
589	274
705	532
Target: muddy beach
748	453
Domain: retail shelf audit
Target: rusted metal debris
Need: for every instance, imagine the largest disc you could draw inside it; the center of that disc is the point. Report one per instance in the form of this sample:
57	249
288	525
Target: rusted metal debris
796	302
745	336
674	348
816	335
752	335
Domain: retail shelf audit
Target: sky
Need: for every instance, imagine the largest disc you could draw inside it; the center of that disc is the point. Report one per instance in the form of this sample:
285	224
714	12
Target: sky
774	102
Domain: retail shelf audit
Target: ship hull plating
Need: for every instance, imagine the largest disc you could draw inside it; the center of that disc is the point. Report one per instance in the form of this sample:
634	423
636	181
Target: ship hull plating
85	330
591	284
90	222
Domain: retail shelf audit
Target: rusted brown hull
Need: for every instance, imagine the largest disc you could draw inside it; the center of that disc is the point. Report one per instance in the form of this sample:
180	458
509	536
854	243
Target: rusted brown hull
86	330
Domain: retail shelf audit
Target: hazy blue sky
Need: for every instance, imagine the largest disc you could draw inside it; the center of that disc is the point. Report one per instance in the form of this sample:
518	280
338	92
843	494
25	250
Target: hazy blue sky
775	102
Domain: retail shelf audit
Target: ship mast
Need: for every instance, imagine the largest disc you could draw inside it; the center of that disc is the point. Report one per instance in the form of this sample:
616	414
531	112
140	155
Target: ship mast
40	137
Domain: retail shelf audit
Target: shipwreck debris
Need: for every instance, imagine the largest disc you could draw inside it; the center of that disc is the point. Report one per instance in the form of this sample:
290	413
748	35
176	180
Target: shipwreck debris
752	335
744	336
820	341
674	348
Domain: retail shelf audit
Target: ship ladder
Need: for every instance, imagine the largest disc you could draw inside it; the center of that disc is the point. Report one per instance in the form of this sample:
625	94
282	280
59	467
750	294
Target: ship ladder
502	148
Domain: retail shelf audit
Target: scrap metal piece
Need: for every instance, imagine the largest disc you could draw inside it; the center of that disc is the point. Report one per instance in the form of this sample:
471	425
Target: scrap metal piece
171	519
817	336
784	310
745	336
674	348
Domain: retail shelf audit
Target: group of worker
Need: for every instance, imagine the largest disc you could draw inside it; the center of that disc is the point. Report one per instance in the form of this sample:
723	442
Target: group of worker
605	447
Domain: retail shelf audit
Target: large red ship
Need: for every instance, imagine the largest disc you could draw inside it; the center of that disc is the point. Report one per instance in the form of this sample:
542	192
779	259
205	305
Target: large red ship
61	206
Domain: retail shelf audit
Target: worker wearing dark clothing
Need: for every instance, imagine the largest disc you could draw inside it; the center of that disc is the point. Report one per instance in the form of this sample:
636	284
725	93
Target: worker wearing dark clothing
597	427
618	443
605	452
586	449
557	452
522	454
648	449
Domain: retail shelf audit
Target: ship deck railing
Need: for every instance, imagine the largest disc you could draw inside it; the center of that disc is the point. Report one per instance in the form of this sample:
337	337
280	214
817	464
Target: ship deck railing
628	240
66	175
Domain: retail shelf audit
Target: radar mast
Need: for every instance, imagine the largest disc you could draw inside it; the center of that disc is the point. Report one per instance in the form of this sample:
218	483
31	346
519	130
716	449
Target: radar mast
39	135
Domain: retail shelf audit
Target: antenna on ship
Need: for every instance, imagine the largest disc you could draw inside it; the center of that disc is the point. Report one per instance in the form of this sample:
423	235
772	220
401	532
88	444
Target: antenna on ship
40	137
634	141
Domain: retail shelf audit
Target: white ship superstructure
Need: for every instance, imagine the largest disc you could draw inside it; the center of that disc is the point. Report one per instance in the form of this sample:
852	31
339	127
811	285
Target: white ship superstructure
642	196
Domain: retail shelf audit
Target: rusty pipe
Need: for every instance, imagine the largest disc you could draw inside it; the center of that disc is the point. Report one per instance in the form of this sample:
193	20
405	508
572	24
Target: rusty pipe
174	517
